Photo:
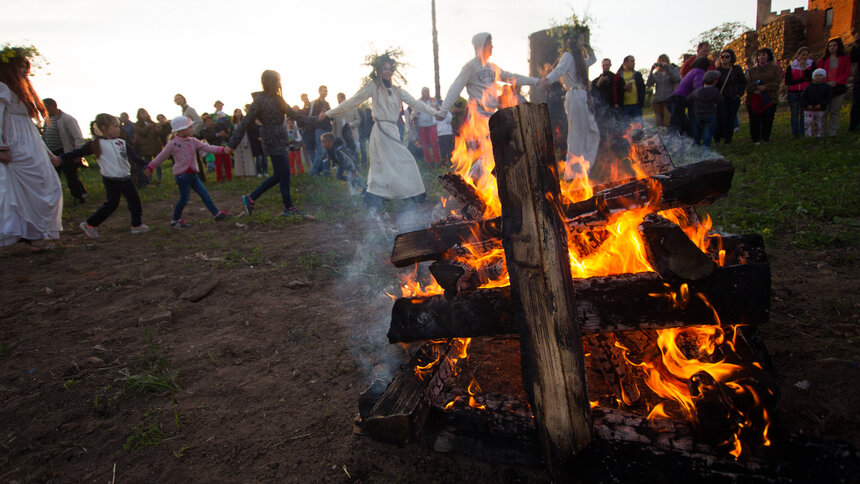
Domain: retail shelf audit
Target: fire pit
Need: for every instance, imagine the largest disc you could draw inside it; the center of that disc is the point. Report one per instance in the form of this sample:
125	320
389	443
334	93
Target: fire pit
565	322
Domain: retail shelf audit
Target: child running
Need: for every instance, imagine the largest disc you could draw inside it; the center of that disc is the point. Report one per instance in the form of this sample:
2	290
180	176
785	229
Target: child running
183	148
113	154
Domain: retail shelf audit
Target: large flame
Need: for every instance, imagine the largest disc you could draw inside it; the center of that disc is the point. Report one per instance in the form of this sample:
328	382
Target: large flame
616	249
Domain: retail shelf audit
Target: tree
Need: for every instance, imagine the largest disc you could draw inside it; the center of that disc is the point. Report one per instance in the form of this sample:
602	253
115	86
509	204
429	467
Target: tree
719	36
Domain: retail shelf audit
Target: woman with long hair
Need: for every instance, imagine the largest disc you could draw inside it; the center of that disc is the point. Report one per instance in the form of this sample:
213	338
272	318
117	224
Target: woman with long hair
147	143
838	67
731	84
31	198
797	77
243	156
393	173
583	138
270	108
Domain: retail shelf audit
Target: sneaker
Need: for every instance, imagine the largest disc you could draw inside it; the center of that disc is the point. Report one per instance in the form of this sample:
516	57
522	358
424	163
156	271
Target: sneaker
92	232
142	228
259	175
294	212
222	215
248	203
179	224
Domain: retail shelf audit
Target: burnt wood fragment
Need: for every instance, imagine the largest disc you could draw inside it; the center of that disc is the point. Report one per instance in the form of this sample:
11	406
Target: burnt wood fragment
671	252
472	206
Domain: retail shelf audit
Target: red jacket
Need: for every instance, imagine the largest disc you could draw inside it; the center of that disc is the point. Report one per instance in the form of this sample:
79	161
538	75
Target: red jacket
688	64
843	69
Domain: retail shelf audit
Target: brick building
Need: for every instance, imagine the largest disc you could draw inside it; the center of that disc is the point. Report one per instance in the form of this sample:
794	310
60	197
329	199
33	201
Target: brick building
787	30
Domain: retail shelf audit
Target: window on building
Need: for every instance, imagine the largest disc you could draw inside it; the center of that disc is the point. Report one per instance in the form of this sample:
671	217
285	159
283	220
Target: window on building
828	17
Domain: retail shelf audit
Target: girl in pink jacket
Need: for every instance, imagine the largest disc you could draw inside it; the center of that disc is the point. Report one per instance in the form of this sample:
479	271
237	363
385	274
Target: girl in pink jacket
183	148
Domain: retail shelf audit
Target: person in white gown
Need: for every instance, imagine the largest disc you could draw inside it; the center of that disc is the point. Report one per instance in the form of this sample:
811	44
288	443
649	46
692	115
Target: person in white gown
31	197
393	173
583	138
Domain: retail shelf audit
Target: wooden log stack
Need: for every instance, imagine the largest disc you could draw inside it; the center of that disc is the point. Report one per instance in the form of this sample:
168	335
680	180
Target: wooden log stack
555	316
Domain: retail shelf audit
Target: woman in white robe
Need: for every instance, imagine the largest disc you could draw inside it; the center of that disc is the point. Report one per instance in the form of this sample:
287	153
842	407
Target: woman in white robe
31	197
393	172
583	137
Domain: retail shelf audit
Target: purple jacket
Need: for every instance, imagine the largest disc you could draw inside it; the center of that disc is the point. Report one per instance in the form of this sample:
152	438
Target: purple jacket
690	82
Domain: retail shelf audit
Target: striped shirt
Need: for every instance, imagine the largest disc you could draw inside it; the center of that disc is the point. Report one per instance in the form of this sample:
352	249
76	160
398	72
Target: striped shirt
52	135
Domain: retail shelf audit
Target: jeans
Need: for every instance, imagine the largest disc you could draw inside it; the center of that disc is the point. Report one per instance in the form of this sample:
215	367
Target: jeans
320	164
705	131
187	182
262	164
796	112
726	116
113	190
280	176
633	112
678	120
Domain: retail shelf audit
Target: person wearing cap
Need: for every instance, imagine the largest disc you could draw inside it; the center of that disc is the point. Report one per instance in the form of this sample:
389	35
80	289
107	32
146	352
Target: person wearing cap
706	102
183	148
479	77
815	99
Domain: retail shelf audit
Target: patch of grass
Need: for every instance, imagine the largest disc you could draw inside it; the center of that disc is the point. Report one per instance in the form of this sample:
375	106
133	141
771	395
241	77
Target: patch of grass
802	193
145	433
318	264
253	257
157	377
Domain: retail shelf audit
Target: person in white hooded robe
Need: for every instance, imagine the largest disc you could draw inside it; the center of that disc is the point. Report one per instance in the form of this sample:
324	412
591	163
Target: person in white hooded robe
393	172
479	77
583	137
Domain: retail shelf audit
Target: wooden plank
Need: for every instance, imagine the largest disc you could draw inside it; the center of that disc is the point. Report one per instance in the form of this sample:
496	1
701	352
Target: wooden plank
671	252
739	294
535	241
472	207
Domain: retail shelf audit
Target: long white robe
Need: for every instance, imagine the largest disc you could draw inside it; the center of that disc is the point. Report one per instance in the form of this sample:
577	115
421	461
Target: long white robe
583	138
31	197
393	172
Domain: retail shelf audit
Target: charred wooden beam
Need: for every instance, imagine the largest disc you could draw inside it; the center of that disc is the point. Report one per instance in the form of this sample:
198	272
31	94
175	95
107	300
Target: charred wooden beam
472	205
534	237
399	413
739	294
694	184
671	252
729	250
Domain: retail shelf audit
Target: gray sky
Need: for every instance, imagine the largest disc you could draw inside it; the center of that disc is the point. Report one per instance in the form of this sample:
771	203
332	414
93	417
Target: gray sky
123	55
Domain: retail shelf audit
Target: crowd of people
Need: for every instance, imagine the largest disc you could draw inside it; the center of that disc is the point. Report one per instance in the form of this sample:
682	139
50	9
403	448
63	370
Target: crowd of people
699	99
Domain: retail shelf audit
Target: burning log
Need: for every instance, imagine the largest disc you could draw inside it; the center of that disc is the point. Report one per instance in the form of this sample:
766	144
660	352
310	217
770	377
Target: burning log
739	294
542	289
695	184
398	415
671	252
729	250
472	205
610	362
457	277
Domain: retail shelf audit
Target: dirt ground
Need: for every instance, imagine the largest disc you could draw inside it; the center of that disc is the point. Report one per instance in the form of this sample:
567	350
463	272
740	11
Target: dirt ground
270	363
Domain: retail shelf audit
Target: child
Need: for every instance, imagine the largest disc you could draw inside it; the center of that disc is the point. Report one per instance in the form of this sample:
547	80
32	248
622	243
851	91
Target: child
816	97
706	101
337	152
215	132
294	138
113	154
183	148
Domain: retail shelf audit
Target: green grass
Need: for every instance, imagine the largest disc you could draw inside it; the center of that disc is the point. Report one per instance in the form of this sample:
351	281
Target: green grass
145	433
801	193
157	376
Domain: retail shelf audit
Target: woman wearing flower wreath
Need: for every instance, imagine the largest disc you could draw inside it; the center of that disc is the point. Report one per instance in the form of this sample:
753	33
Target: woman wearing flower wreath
31	198
393	173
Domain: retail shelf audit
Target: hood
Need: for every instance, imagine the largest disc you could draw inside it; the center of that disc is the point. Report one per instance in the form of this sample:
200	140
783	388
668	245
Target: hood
796	65
478	41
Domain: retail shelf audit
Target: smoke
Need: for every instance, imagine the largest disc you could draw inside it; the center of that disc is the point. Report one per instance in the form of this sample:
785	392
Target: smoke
371	274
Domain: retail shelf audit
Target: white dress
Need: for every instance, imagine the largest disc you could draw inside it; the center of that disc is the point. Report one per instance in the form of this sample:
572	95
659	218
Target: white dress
583	138
243	158
31	198
393	172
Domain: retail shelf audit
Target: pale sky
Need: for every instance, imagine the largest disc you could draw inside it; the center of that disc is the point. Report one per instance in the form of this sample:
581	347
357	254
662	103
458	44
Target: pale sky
122	55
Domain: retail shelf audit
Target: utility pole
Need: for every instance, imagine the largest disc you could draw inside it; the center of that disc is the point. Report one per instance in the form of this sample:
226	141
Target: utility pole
435	48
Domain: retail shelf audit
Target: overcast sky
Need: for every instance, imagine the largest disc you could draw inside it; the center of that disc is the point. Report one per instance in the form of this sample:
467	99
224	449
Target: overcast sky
122	55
